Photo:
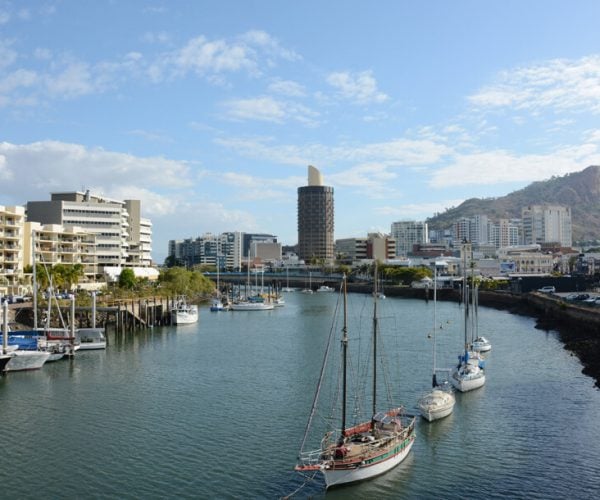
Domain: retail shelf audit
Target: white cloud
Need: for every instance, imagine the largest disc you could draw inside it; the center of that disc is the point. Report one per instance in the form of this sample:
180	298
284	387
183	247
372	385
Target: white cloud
499	166
417	210
360	88
269	109
559	84
7	55
40	167
212	58
395	152
287	88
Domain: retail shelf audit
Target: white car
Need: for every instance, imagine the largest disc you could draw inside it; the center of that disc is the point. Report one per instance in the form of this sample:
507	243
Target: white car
547	289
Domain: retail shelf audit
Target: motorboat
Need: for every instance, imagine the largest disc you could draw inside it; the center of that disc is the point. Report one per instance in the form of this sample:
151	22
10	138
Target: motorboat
325	289
481	344
184	313
90	338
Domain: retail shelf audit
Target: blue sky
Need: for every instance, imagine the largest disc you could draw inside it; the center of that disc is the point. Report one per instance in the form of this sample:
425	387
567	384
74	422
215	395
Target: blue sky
210	112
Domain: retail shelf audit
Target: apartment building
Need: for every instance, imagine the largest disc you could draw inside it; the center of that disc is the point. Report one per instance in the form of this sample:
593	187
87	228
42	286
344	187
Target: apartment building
52	244
407	234
547	224
12	220
123	238
224	250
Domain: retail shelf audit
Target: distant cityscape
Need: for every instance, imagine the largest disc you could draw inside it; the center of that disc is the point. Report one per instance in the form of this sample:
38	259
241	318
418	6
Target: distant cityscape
539	243
105	235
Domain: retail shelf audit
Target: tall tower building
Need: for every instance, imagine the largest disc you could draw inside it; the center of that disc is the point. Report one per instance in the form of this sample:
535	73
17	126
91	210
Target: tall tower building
315	219
409	233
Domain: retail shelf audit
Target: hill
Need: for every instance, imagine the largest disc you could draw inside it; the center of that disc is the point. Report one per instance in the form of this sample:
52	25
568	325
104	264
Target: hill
578	190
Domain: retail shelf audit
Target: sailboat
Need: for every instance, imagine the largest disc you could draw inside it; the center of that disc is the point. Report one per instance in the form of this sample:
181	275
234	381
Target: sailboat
217	303
309	289
20	359
480	343
469	373
251	303
287	281
439	402
364	449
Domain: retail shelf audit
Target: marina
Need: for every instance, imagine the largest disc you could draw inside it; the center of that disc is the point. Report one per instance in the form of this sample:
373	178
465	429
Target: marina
170	412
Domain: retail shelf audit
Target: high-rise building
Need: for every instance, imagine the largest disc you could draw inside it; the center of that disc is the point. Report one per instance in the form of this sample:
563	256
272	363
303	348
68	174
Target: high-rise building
408	233
315	219
547	224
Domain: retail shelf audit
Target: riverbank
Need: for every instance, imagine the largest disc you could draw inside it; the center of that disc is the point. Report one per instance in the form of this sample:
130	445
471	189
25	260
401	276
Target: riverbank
578	326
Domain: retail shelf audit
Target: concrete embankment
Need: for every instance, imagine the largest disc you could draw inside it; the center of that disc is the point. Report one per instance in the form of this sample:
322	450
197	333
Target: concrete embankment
578	325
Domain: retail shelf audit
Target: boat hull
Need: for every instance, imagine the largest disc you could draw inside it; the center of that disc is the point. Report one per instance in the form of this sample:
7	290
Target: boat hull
465	383
4	359
338	477
436	405
184	318
26	360
252	306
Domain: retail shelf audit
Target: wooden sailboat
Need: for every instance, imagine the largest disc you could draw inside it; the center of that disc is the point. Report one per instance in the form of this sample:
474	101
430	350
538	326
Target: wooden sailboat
366	448
439	402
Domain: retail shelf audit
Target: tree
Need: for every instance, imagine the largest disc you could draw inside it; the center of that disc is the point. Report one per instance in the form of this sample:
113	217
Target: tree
127	279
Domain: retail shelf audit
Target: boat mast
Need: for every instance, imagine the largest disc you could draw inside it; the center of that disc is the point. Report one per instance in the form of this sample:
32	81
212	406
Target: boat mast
375	341
434	379
345	358
466	247
33	253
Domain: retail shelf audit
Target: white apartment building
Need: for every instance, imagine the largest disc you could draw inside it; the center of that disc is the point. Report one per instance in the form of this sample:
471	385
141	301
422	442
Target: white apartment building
12	220
504	234
408	233
115	229
209	248
55	244
547	224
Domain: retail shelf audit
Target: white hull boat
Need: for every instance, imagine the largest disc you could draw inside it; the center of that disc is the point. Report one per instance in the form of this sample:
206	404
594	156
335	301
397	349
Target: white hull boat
364	450
325	289
467	377
436	404
337	477
90	338
26	360
252	306
184	314
481	344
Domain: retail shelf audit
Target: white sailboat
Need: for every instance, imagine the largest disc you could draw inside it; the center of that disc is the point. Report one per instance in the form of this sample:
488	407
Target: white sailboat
480	343
469	374
439	402
368	448
20	360
309	289
287	281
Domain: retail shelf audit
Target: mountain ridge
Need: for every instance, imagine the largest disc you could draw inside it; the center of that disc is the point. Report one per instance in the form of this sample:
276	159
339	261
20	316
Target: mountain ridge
578	190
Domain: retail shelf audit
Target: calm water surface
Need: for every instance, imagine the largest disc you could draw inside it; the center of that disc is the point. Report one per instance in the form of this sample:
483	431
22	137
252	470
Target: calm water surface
218	410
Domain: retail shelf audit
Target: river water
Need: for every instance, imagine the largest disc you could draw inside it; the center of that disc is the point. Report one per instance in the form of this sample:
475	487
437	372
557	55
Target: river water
218	410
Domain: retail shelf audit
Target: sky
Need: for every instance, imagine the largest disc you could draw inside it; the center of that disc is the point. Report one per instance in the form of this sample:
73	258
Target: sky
210	111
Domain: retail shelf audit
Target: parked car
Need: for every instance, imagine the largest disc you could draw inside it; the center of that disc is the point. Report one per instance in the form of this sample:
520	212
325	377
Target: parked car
582	296
547	289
